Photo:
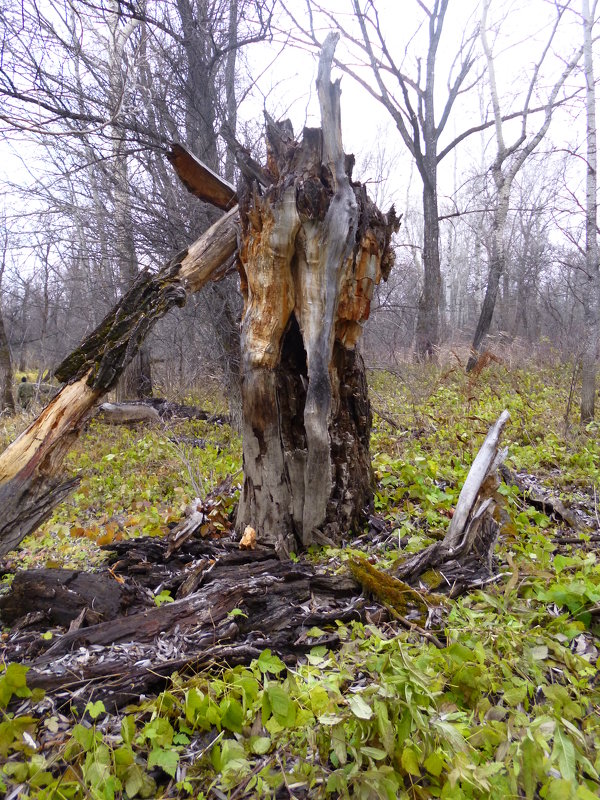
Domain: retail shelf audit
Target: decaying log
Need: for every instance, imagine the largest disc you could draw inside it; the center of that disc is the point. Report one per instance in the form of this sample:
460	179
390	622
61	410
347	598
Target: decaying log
30	480
122	656
116	660
61	594
313	247
127	413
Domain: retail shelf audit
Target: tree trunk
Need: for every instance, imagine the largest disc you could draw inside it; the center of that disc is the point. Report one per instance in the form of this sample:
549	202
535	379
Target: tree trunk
7	402
427	330
496	267
313	247
591	303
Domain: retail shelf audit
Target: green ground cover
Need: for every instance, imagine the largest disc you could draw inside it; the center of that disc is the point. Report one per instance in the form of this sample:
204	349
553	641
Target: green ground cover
508	708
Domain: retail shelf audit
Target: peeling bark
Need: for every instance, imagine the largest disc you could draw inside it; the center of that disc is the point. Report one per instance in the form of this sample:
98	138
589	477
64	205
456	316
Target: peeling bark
313	247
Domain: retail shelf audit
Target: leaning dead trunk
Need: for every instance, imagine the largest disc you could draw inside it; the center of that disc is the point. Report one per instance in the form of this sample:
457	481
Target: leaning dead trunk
313	246
31	482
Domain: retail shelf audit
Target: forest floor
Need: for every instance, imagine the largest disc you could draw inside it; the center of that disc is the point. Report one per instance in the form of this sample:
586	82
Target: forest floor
508	706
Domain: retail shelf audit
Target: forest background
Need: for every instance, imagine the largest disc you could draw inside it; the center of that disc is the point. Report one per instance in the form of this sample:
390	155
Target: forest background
93	93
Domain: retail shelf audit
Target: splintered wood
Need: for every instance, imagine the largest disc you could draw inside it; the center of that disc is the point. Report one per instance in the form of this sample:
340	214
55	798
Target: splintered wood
312	249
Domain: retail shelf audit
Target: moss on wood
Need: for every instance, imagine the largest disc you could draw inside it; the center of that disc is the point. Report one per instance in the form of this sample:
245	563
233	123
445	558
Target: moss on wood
111	346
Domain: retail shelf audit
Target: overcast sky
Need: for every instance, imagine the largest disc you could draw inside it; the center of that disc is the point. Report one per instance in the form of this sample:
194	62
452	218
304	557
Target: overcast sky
520	28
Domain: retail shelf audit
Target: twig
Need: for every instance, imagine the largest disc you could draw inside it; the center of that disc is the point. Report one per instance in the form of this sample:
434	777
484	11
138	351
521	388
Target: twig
412	626
571	392
575	539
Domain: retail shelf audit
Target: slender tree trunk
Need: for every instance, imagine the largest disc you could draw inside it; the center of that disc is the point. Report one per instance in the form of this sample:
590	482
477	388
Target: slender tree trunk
427	330
591	305
495	270
507	164
7	402
230	99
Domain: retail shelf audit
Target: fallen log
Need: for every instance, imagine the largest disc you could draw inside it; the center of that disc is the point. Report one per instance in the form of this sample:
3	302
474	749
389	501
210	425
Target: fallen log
57	596
127	414
275	604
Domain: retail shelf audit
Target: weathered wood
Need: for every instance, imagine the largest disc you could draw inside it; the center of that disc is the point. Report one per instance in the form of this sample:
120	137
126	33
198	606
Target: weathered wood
61	594
312	249
280	601
484	462
200	180
468	545
127	413
313	246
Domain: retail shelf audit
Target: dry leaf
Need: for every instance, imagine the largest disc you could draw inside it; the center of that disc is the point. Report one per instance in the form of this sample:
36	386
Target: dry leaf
248	540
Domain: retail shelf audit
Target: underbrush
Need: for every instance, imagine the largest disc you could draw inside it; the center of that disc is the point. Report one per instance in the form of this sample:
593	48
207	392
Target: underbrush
509	707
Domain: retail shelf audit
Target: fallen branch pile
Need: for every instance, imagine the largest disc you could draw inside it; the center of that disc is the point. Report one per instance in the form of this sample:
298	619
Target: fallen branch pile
219	604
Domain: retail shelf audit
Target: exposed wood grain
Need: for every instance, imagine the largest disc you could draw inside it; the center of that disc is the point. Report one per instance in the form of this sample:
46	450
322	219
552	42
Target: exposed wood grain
200	180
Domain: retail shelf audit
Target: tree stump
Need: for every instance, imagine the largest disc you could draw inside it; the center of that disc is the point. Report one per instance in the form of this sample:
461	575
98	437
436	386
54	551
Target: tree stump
313	247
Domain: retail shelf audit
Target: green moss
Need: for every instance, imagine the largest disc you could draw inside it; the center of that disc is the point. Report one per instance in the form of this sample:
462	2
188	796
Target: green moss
397	594
432	579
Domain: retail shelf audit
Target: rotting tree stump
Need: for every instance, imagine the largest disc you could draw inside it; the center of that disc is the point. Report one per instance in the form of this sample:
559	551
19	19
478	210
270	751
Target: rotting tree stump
313	247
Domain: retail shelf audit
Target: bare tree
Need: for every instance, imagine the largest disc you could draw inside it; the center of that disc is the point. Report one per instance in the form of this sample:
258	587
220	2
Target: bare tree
592	278
510	159
125	80
412	100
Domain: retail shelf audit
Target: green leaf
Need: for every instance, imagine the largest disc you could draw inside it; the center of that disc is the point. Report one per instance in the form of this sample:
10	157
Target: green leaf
133	780
539	653
410	761
284	710
83	736
13	682
531	765
128	729
260	745
167	760
373	752
434	764
359	708
236	612
163	597
563	753
159	731
95	709
232	715
515	695
558	790
267	662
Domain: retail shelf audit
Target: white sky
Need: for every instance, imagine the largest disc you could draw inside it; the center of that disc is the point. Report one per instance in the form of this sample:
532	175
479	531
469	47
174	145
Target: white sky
287	88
